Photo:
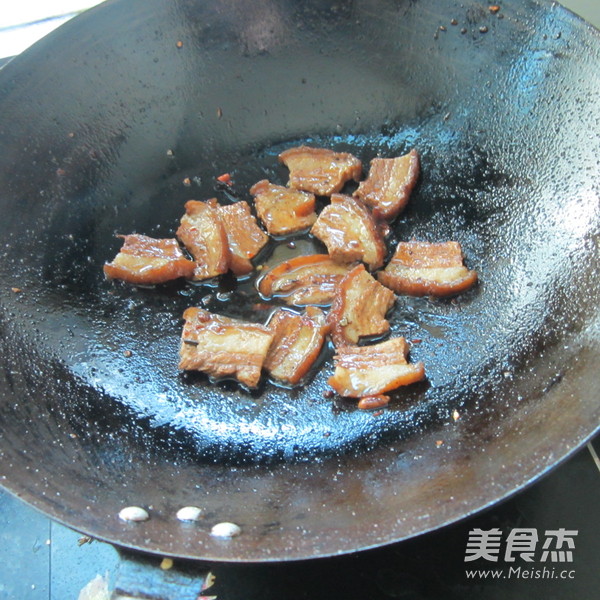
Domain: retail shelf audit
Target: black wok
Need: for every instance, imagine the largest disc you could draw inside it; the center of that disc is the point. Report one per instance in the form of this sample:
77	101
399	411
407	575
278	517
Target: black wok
101	123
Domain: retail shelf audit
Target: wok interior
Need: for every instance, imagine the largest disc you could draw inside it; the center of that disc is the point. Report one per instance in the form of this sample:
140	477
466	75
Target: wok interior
509	169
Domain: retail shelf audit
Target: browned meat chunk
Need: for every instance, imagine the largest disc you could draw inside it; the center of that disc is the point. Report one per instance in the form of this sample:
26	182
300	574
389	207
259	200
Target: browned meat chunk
297	342
319	170
359	308
304	280
223	347
203	234
244	236
283	210
389	184
147	261
350	233
423	268
362	371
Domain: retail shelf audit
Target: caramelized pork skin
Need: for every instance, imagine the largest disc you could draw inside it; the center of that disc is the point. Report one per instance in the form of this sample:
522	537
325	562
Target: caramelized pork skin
281	209
350	232
363	371
244	236
223	347
203	234
389	184
319	170
359	308
428	269
143	260
297	342
304	280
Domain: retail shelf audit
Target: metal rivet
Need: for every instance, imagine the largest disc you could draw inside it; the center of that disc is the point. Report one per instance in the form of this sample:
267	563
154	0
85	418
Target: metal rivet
225	530
189	513
133	513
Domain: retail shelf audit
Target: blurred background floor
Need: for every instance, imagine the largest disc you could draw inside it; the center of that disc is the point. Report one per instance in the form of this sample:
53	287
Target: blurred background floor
23	23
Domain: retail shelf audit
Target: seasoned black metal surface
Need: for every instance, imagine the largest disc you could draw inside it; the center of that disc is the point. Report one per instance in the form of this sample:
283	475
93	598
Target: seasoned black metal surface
101	123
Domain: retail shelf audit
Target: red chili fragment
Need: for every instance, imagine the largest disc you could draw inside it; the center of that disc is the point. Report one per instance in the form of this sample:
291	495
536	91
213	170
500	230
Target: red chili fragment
225	178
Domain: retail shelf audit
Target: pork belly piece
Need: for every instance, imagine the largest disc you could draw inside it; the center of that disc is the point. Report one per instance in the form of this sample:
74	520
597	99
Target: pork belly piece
297	342
427	269
223	347
304	280
281	209
244	236
143	260
359	308
363	371
350	233
203	234
389	184
319	170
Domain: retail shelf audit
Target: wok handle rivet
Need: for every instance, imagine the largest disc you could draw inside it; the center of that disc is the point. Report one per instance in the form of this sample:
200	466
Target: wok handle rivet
133	514
225	530
189	513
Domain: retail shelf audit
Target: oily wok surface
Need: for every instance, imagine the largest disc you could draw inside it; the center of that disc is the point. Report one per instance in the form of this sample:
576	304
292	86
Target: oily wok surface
100	125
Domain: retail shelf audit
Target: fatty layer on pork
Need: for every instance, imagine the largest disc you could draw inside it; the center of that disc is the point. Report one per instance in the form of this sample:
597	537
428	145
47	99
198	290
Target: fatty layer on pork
427	269
143	260
223	347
